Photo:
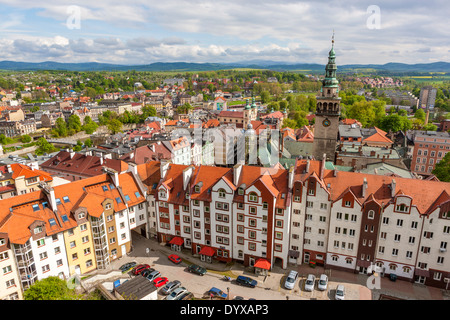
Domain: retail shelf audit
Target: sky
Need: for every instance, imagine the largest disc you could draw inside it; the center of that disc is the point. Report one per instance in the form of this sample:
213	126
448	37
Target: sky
287	31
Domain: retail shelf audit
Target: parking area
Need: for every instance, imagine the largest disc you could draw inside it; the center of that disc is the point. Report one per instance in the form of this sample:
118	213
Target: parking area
271	286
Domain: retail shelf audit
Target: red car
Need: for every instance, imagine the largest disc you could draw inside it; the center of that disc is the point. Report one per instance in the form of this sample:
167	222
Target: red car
140	268
175	259
160	281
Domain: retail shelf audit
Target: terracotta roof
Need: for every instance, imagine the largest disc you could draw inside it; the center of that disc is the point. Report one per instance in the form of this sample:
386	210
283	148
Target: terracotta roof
232	114
19	170
81	164
89	193
155	151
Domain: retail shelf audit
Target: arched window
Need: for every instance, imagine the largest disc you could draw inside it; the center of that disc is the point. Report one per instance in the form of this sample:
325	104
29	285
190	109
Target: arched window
221	193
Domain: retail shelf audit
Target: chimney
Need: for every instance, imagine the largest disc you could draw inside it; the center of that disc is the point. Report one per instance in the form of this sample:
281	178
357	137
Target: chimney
132	167
393	184
114	175
237	173
187	174
34	165
71	153
101	159
291	177
163	168
307	165
364	188
50	192
9	168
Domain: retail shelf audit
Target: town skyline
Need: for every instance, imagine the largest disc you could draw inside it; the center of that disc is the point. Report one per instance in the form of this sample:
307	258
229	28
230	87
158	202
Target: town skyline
204	32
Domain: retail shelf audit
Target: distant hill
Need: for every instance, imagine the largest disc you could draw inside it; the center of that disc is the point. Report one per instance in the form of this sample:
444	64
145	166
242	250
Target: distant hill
256	64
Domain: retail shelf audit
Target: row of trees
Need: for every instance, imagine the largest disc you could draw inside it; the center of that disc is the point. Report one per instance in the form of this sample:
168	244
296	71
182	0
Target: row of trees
73	126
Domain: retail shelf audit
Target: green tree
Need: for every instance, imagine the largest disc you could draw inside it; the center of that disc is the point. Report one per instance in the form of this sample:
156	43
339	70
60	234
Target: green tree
3	139
395	123
88	142
420	114
51	288
44	147
114	126
442	169
61	128
74	123
265	96
25	138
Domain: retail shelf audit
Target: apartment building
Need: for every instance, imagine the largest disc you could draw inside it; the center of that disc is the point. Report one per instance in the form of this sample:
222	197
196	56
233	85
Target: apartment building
343	220
430	147
70	229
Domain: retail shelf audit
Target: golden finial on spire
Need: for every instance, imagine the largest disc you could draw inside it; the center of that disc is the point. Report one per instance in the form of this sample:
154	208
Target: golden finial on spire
332	39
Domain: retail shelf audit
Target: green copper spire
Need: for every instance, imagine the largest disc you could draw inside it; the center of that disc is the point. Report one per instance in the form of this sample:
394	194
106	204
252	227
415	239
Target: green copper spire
247	105
330	80
253	102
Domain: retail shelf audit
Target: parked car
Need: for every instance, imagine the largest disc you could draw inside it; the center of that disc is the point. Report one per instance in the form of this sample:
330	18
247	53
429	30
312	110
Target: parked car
170	286
216	292
309	283
160	281
246	281
127	266
176	294
138	269
187	296
146	272
175	259
323	282
153	275
197	269
291	279
340	292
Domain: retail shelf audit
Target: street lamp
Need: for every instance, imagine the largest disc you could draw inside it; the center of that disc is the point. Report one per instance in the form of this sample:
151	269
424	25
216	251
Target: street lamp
228	291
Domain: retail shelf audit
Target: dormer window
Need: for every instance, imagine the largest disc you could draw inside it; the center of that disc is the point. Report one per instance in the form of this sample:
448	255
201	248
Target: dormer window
197	189
253	197
402	208
81	215
240	191
37	230
36	207
222	193
162	194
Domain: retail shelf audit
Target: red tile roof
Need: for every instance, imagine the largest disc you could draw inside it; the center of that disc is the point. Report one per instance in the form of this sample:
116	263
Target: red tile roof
81	164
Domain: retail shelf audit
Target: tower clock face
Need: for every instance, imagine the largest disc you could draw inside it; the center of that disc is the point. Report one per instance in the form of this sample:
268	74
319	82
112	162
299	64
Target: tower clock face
326	123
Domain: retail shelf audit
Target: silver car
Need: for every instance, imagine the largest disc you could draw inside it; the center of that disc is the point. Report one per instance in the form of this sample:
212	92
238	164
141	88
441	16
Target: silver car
177	294
309	283
340	292
323	282
170	286
290	280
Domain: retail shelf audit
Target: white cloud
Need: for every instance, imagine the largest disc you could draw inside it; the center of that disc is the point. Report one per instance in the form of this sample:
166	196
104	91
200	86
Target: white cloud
212	31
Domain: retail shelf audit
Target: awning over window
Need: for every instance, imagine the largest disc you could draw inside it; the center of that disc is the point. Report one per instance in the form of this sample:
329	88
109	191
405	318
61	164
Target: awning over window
294	254
363	263
262	264
207	251
177	241
422	273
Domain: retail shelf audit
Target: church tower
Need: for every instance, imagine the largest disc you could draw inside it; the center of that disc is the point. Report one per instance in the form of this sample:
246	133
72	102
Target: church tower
328	110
